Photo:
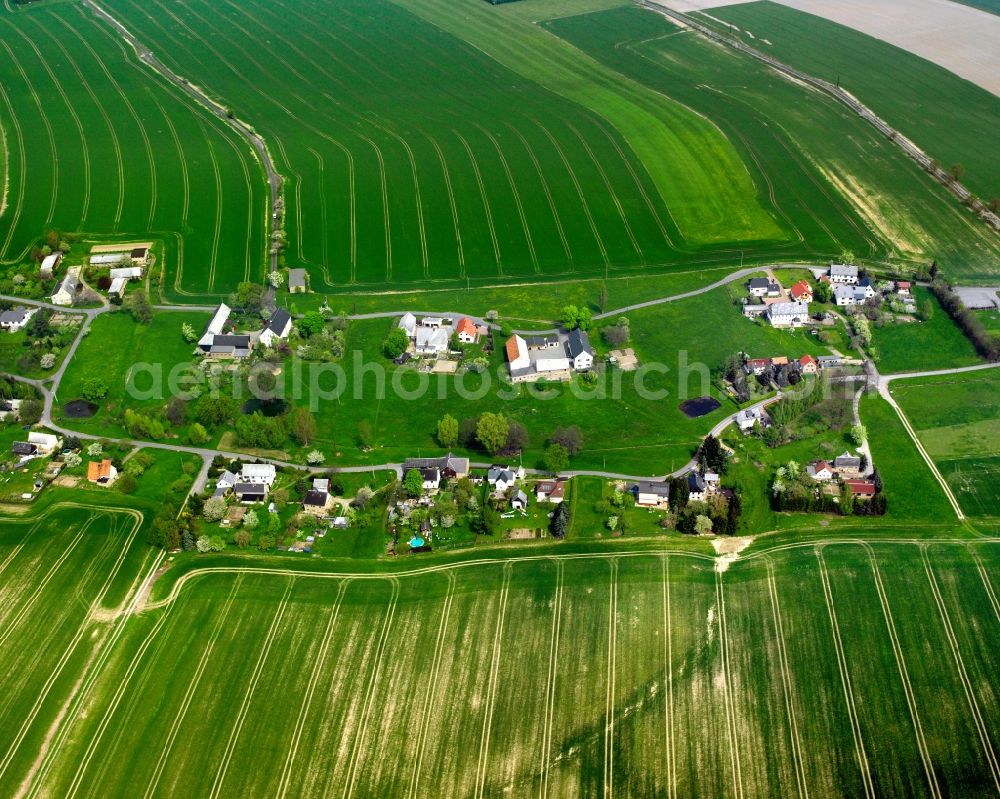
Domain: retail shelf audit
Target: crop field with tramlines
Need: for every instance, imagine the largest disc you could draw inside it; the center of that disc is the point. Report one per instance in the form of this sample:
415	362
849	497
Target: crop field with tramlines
64	577
840	669
95	143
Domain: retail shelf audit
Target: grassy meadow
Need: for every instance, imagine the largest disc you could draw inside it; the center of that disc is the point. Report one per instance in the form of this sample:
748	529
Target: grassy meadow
799	670
94	143
957	419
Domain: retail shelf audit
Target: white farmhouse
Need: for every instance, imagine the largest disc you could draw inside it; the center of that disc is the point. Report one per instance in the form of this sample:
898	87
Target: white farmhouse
843	273
277	328
65	293
581	354
788	314
408	324
16	318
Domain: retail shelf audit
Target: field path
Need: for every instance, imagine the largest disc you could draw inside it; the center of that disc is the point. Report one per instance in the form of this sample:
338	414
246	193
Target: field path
609	707
668	659
732	726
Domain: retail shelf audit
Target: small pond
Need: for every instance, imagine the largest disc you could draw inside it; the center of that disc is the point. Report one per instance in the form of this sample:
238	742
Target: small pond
699	406
271	407
79	409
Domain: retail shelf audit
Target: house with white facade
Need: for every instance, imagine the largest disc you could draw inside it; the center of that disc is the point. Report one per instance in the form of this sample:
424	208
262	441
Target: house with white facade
47	443
277	328
843	273
66	291
581	354
16	318
788	314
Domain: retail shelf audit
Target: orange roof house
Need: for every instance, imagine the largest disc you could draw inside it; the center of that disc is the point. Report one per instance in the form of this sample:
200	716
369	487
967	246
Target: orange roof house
466	330
103	473
808	364
801	291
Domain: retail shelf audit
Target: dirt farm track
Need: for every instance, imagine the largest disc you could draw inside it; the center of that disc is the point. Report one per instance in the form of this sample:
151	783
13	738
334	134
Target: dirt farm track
957	37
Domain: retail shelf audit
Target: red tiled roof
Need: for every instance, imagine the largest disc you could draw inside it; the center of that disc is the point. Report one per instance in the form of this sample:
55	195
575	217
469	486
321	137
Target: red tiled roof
99	471
466	325
800	289
512	350
807	359
902	284
861	487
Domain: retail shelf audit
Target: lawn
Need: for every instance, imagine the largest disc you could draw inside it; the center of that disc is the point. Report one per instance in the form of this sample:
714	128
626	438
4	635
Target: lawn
947	116
129	155
922	346
626	672
122	354
832	176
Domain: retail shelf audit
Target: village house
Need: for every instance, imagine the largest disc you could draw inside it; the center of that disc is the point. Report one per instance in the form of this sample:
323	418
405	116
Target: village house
317	500
500	478
829	361
66	291
103	473
140	257
801	292
758	286
820	471
9	409
451	467
843	273
253	482
49	265
697	487
430	479
581	354
468	332
296	281
903	288
650	494
408	324
47	443
16	318
788	314
748	418
847	465
552	491
432	340
216	344
861	489
757	366
278	327
808	365
24	449
850	296
752	310
779	360
519	501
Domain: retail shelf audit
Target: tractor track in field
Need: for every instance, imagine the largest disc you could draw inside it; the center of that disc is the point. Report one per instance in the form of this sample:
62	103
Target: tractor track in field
357	744
609	700
310	691
482	763
732	723
258	669
193	683
904	676
963	673
668	669
434	675
786	684
550	683
845	679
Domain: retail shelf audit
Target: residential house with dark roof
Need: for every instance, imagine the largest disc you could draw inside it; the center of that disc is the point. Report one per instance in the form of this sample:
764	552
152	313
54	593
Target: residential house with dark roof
697	487
581	354
650	493
296	281
278	327
552	491
16	318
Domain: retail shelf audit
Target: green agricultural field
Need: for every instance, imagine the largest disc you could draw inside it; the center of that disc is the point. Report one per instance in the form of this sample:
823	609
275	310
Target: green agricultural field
957	419
937	343
992	6
67	573
830	175
947	116
413	156
95	143
825	670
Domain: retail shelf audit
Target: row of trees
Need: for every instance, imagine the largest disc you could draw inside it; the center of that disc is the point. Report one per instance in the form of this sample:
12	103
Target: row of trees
987	344
499	435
